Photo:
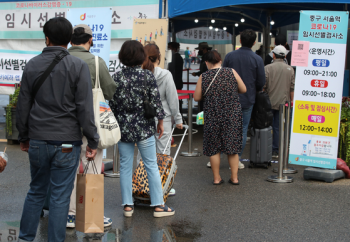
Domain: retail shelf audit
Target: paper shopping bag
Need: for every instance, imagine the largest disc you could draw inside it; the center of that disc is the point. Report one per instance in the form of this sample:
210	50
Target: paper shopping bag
90	203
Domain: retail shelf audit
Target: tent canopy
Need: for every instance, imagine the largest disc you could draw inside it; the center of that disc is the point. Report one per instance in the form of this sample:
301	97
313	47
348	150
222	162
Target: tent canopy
255	12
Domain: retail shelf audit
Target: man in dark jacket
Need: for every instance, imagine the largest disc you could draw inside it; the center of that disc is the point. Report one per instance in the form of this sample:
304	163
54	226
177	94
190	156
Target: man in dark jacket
176	65
250	67
49	126
203	49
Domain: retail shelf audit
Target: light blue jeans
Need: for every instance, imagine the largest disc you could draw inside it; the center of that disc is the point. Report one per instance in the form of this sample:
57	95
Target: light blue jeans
147	148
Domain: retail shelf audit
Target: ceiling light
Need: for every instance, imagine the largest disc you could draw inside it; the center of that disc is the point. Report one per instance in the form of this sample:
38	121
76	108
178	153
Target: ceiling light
224	28
236	24
216	29
270	33
196	20
272	22
213	20
210	27
242	20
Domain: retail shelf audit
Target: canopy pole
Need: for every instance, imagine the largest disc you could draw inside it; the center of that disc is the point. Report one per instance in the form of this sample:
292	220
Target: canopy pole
234	37
173	34
267	36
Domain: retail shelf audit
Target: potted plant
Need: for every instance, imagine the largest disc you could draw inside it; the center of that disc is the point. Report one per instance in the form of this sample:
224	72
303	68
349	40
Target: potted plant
344	131
11	130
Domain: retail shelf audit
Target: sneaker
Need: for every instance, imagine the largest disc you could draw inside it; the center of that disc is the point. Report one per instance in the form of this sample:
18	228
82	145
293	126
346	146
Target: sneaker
240	166
172	192
275	154
209	165
107	221
71	221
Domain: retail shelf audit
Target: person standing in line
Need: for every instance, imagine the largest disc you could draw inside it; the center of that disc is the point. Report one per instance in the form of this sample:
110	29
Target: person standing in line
127	106
187	58
168	96
81	43
49	126
280	40
222	115
176	65
194	56
250	67
280	88
203	50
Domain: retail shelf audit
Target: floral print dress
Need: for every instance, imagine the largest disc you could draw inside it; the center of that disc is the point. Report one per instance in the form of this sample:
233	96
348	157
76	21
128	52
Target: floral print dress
127	103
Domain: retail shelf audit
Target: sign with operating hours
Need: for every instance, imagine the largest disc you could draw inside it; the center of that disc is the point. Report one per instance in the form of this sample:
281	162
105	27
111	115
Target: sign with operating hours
318	89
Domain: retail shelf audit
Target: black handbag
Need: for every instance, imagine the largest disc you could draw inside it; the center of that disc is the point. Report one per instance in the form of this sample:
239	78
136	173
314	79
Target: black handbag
150	111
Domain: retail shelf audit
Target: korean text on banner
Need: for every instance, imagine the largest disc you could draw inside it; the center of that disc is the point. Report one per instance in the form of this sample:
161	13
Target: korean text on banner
318	88
96	19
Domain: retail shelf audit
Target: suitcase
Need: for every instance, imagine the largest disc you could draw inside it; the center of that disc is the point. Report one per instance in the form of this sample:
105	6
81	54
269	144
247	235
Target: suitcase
261	147
167	170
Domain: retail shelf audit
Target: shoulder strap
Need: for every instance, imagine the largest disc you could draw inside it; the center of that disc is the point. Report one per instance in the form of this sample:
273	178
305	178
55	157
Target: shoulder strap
44	76
212	81
97	80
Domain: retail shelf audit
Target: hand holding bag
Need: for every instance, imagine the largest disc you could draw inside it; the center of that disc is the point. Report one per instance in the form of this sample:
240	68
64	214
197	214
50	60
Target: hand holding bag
106	124
150	111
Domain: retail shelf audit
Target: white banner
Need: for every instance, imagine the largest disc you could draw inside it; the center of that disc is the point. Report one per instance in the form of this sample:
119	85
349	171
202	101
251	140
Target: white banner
25	20
203	34
12	64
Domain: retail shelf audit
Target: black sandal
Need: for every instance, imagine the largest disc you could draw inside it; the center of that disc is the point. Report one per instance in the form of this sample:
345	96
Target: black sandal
233	183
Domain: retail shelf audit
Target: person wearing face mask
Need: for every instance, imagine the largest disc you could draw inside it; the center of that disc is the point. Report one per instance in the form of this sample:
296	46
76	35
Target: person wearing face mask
203	50
81	42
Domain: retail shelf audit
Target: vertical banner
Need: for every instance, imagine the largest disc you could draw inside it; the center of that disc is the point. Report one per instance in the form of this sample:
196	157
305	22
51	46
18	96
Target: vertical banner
100	25
153	31
318	89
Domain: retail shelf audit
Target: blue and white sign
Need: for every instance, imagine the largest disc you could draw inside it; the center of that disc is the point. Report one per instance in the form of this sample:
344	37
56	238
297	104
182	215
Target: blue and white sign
96	19
318	89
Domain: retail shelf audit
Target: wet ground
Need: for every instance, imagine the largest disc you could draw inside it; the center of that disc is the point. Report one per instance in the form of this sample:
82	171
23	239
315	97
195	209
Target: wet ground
256	210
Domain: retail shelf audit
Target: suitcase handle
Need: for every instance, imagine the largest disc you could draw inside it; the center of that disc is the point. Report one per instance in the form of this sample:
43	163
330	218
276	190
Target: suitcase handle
182	139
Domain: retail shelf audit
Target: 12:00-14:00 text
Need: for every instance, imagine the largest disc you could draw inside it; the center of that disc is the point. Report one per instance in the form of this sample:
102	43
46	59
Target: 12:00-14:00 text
313	128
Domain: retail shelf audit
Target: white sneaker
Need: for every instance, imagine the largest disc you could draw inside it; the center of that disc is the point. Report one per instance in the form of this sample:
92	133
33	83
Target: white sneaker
240	166
172	192
70	221
107	221
209	165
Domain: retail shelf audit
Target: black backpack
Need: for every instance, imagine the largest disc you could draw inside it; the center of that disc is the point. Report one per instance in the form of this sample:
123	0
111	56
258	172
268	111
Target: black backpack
262	116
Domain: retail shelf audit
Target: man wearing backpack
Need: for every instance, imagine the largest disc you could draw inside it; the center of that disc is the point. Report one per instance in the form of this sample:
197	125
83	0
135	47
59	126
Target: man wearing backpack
250	67
280	88
81	42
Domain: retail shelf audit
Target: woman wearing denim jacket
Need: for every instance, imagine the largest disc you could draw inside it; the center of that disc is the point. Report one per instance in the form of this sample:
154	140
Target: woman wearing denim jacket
127	106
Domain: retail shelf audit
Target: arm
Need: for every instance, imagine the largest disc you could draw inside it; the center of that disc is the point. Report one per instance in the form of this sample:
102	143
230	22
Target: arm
266	86
198	92
84	106
23	108
172	99
241	86
260	81
292	83
108	85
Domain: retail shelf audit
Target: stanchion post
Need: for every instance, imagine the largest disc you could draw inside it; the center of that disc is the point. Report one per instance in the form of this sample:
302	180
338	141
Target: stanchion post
286	169
189	114
280	178
115	173
188	79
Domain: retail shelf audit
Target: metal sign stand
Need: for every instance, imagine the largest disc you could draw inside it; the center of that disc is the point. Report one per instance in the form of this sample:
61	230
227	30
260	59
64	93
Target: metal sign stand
190	153
280	178
286	169
115	173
